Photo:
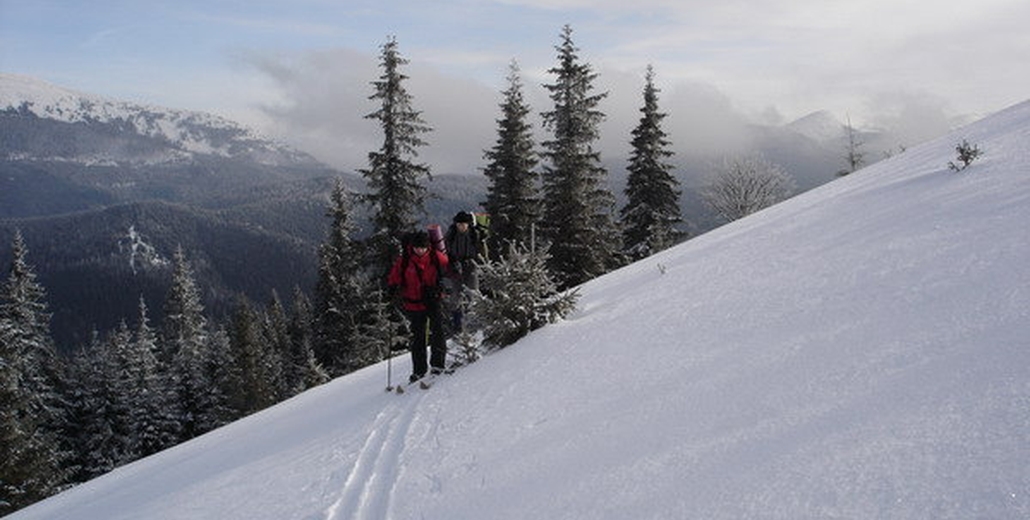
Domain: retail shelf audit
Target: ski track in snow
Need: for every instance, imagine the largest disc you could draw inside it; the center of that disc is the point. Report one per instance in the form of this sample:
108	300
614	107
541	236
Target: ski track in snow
368	490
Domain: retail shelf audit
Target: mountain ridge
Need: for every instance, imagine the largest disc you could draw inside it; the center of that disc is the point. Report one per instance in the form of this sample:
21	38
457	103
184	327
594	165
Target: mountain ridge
192	132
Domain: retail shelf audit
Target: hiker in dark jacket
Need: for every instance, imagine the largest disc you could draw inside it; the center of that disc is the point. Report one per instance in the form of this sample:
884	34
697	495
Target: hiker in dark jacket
416	278
465	247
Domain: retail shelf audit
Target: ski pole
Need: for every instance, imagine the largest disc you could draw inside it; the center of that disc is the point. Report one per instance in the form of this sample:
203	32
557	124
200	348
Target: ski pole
389	372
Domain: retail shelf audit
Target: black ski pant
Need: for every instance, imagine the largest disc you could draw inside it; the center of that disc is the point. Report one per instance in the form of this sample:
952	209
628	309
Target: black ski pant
427	323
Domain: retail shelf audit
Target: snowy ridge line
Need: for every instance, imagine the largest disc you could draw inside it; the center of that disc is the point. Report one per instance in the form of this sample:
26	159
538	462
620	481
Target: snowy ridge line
54	102
192	131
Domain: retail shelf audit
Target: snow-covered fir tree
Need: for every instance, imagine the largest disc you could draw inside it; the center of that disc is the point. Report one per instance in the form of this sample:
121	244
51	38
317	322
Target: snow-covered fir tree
275	331
394	191
523	297
259	368
187	338
341	292
32	411
103	405
652	210
125	407
152	403
302	369
513	198
221	371
578	205
380	330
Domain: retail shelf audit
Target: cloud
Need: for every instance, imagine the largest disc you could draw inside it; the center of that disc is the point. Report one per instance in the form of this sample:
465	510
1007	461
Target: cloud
808	55
700	119
323	98
911	117
904	66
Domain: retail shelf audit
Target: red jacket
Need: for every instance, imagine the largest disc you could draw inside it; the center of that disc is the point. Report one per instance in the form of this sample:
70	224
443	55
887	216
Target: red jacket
419	272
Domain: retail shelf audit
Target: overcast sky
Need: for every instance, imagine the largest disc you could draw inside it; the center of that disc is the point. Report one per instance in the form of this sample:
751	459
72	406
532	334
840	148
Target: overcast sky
300	70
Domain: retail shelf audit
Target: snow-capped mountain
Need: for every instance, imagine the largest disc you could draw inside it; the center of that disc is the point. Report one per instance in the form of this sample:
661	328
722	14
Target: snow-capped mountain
184	132
64	151
859	351
818	126
104	191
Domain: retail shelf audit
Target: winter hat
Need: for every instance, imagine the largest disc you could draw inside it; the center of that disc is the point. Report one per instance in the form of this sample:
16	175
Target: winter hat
418	239
463	216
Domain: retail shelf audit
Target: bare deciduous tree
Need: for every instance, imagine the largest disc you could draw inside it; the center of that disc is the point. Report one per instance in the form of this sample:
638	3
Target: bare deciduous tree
743	185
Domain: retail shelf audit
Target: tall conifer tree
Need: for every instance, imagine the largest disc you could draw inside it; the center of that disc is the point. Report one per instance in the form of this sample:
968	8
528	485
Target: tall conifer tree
578	205
259	367
31	410
276	331
221	371
153	420
104	430
186	337
513	199
395	194
341	292
303	369
652	210
380	328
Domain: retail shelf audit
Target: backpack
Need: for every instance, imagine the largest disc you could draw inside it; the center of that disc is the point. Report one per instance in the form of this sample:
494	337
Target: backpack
481	226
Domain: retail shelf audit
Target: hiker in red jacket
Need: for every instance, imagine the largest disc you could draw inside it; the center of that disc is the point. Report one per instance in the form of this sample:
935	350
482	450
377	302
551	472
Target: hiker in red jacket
416	278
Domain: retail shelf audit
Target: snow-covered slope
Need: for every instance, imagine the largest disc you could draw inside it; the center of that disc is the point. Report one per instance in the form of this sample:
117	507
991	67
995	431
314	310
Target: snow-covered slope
860	351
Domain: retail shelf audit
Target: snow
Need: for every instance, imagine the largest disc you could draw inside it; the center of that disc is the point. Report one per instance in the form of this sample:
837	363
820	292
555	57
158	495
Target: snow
49	101
859	351
141	253
819	126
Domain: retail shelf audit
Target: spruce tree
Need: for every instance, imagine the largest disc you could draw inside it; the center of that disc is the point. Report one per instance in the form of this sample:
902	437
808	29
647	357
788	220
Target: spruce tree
125	409
340	291
380	328
523	297
31	410
103	405
303	369
186	337
251	353
153	419
513	199
276	334
395	194
652	210
578	205
222	373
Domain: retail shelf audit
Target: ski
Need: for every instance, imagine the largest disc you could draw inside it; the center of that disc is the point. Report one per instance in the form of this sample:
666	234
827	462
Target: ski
399	389
426	382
